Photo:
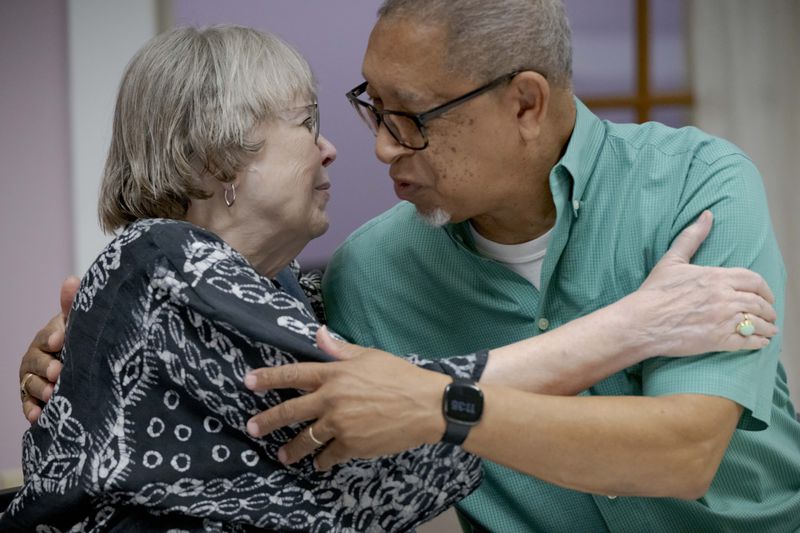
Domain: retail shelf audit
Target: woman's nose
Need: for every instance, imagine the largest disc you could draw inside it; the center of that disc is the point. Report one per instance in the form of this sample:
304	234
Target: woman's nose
327	149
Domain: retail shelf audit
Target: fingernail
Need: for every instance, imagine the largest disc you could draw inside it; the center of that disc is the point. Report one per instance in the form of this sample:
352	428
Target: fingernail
282	456
324	329
250	381
252	429
316	465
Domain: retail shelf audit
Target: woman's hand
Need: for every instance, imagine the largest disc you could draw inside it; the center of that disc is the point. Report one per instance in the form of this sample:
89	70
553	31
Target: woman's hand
684	309
41	359
370	404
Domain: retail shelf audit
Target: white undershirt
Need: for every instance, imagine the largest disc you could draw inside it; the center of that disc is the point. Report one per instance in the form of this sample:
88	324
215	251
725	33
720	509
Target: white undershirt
525	258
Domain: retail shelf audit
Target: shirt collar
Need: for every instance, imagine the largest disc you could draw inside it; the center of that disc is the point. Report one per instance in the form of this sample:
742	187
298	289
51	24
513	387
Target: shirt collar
583	149
579	161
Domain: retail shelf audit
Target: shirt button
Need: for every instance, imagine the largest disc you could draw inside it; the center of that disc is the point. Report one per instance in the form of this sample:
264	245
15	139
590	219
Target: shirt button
576	204
544	323
612	497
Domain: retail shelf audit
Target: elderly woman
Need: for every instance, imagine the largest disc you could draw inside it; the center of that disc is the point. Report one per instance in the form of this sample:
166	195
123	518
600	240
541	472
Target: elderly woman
216	177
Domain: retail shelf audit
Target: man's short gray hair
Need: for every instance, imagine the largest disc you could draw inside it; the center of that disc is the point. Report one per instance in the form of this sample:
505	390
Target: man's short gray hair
487	39
188	103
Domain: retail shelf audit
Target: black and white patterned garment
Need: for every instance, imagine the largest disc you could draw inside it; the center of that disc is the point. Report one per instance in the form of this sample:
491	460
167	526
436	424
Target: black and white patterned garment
146	428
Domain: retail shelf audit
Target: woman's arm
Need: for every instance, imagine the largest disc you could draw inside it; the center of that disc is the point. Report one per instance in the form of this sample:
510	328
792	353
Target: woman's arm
677	311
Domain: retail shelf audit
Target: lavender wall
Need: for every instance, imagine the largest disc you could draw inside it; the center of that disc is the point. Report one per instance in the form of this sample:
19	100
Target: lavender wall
332	36
34	189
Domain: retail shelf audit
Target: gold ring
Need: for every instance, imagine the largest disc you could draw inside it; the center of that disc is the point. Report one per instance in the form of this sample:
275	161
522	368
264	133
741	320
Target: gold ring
311	434
23	385
745	328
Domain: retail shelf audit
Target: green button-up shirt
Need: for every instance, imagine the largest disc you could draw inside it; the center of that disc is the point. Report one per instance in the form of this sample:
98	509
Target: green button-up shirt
622	193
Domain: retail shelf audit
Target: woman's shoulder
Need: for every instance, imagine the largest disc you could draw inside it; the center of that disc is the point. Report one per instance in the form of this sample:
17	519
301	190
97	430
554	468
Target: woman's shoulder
167	228
138	250
176	239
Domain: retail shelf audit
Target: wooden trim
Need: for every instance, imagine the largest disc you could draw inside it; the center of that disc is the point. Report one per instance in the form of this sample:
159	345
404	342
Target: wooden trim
644	100
642	60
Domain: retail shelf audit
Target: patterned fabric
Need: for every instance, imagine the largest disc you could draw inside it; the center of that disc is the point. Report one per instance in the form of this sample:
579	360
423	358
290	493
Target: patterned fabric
146	428
622	194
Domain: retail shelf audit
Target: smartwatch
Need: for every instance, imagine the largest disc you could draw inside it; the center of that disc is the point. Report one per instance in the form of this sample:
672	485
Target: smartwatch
462	406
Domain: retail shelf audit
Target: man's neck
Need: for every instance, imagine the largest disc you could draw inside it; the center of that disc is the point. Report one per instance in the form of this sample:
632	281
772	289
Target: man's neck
531	213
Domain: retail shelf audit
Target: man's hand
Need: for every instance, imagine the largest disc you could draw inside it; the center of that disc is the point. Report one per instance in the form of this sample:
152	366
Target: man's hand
41	358
371	404
684	309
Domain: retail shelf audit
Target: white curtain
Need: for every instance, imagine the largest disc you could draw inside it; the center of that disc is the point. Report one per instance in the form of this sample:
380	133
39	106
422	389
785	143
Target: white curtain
746	80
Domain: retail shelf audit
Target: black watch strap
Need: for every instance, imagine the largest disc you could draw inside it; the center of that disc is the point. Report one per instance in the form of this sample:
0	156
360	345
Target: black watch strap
462	407
455	432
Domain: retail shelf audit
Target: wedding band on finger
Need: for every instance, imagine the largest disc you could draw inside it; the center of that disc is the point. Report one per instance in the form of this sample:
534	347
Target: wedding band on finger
311	434
745	328
23	386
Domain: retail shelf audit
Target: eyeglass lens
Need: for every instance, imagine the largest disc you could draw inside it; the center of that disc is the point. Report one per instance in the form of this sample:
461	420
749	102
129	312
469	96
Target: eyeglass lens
402	128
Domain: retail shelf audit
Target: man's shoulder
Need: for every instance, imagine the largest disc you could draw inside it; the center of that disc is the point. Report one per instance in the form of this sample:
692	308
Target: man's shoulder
686	142
395	245
394	227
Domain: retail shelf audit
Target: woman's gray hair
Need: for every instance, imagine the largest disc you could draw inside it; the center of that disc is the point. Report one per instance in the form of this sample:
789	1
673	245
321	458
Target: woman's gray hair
187	104
486	39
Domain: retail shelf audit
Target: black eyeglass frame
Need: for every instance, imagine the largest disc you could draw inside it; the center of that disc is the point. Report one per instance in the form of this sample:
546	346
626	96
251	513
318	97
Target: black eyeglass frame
420	119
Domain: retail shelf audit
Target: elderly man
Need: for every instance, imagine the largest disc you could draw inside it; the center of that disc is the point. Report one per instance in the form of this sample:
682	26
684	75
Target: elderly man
538	213
524	213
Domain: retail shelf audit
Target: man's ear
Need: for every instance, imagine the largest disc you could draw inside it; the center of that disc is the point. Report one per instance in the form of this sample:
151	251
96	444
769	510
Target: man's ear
530	93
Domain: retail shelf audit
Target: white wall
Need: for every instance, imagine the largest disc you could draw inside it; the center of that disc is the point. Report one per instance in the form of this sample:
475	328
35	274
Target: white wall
103	36
60	64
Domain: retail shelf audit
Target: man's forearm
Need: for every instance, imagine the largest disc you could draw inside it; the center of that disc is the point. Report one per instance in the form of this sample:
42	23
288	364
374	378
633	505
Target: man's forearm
662	447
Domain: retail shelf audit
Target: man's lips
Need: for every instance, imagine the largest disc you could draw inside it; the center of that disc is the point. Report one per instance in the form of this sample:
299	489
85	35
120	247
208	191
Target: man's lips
405	190
324	187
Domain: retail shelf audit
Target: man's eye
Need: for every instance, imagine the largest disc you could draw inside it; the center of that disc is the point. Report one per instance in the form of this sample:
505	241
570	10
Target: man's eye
309	124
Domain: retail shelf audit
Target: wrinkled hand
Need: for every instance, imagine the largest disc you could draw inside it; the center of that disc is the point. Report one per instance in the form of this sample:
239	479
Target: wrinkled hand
684	309
370	403
41	359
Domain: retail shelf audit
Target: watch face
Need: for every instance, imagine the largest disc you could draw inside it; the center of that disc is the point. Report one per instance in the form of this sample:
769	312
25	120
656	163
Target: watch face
463	403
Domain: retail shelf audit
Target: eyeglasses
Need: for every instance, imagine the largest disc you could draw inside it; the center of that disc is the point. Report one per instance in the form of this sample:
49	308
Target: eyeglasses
408	129
312	122
313	110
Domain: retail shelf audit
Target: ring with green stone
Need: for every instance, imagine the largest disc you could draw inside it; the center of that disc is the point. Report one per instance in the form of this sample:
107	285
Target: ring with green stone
745	328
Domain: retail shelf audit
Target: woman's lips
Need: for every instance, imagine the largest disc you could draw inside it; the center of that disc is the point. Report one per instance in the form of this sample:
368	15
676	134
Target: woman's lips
324	191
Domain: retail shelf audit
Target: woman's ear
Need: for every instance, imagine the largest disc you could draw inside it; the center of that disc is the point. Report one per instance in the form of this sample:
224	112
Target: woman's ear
530	92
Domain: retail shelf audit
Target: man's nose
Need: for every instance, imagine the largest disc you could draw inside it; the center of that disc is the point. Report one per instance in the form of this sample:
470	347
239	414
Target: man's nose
387	149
